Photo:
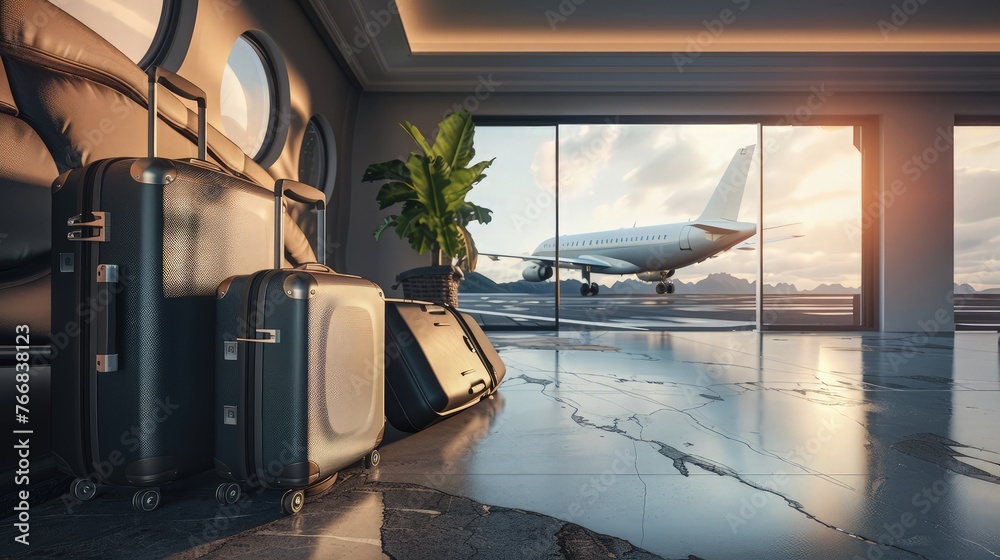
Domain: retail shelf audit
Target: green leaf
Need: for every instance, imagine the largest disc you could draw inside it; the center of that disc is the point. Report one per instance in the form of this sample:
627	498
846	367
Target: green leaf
471	257
449	237
409	227
394	170
389	221
470	212
418	137
429	178
454	140
393	193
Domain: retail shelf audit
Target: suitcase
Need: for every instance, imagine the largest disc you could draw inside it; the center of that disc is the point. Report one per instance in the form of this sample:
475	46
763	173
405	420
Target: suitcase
299	372
139	247
438	362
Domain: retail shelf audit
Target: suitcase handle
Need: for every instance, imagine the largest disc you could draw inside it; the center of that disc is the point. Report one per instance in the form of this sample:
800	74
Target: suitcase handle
305	194
105	324
185	89
316	267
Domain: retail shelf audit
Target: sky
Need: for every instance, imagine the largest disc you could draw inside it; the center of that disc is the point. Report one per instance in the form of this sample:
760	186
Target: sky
616	176
129	26
977	198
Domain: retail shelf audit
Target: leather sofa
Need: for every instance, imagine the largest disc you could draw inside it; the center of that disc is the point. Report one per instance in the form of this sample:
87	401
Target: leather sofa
69	98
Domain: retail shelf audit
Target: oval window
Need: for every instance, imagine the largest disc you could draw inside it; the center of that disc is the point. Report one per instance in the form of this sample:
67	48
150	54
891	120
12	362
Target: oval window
248	100
318	156
129	26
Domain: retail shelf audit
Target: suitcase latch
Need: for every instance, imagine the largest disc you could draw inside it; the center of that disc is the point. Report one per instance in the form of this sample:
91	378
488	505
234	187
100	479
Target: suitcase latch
100	222
271	336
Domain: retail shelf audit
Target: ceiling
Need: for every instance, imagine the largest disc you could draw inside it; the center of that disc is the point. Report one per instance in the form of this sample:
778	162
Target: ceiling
658	45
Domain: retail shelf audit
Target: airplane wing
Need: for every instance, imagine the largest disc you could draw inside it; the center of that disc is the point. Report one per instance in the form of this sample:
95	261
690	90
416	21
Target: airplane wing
594	262
752	245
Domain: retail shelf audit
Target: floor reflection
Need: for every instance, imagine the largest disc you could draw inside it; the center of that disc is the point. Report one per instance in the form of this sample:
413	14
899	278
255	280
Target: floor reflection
736	444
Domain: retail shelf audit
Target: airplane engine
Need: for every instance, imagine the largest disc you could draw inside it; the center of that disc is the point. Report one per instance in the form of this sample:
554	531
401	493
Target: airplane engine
655	275
537	273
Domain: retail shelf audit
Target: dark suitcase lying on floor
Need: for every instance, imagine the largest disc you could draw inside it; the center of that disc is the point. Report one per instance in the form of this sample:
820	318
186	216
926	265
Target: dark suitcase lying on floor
299	372
138	249
438	362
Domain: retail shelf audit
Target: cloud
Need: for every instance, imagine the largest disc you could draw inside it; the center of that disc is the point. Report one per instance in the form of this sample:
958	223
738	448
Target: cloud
977	194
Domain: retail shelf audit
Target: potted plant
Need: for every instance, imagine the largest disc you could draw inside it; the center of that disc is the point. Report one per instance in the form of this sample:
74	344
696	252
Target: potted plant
431	186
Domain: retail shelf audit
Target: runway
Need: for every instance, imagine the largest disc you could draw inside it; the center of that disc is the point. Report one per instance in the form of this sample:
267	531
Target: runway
655	312
695	312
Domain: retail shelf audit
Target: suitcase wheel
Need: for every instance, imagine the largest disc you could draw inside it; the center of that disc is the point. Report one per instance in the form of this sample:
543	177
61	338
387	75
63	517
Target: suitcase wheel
373	459
83	489
292	501
228	493
146	500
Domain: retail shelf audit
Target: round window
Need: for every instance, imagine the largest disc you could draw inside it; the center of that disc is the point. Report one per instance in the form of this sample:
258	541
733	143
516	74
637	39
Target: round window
318	157
129	26
248	100
312	158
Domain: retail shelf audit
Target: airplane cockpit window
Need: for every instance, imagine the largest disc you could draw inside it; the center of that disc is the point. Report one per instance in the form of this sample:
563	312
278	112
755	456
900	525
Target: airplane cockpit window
131	26
248	97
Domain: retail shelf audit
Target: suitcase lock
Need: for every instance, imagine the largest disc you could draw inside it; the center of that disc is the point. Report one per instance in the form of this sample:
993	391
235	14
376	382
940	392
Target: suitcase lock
101	223
271	336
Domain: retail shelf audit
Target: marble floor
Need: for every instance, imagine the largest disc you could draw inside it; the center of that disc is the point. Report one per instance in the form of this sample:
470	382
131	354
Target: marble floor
737	445
638	445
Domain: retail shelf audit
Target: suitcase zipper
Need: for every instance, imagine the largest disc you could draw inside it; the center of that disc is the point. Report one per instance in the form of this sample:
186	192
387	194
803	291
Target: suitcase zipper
89	255
250	414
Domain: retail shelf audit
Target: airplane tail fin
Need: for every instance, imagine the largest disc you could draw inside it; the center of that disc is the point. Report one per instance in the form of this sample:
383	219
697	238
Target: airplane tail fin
728	195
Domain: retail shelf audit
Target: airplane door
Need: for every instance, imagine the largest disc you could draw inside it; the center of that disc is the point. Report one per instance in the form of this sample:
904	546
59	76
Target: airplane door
685	242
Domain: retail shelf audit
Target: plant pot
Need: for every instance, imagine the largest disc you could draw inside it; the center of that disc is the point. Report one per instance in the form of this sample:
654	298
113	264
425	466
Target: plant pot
437	284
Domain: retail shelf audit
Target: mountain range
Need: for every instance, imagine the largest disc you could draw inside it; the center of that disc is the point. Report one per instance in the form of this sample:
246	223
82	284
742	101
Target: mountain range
719	283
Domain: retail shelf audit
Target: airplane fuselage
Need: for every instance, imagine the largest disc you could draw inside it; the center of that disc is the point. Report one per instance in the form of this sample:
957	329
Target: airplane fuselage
650	248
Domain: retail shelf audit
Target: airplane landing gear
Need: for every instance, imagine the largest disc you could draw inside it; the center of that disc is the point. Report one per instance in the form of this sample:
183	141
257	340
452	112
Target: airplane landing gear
666	285
665	288
588	288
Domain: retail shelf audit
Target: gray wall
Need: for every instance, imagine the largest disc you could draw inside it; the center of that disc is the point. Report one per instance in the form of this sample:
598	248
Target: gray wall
316	82
916	237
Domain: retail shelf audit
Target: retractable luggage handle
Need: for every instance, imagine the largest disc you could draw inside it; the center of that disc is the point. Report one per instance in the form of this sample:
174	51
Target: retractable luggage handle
185	89
299	192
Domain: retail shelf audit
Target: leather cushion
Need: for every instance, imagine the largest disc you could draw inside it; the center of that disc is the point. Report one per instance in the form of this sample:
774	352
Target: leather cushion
26	175
7	105
38	32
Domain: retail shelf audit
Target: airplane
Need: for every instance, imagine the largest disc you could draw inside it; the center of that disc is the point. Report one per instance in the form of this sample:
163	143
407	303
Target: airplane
653	253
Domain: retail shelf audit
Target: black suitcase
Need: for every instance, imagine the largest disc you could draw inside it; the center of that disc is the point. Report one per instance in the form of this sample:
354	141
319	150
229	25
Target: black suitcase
438	362
299	372
139	247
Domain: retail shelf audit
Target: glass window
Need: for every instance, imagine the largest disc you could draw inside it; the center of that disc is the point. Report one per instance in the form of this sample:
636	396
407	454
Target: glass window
520	190
129	26
318	156
248	100
977	270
